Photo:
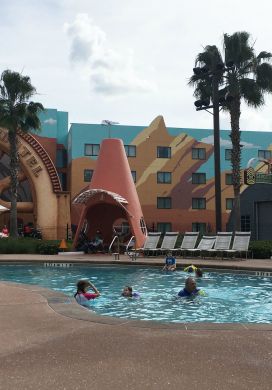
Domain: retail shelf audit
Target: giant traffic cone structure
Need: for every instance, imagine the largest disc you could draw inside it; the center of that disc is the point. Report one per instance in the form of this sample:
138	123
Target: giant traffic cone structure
110	196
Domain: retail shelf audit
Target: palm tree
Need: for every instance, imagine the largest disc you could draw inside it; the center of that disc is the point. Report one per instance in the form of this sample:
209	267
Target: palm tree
17	113
241	75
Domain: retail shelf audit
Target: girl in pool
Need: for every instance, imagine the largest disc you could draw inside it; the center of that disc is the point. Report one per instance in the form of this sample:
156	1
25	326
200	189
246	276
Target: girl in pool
128	293
82	295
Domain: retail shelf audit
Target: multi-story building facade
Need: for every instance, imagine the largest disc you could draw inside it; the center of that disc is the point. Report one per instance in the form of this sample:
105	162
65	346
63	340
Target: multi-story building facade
172	168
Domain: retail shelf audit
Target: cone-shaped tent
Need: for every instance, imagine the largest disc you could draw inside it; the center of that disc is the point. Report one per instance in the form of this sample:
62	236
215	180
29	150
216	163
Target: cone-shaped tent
111	196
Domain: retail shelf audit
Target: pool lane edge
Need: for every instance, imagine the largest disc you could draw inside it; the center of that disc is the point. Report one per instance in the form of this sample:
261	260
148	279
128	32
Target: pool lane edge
68	307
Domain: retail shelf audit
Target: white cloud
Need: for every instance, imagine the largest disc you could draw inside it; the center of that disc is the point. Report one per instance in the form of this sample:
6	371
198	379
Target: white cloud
110	72
50	121
247	145
209	140
227	143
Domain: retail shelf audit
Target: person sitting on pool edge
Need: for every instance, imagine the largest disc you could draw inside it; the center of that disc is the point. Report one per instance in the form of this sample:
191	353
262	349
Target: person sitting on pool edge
82	296
128	293
190	289
170	263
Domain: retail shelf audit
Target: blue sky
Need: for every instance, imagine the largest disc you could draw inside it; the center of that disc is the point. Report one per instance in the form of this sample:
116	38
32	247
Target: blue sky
126	61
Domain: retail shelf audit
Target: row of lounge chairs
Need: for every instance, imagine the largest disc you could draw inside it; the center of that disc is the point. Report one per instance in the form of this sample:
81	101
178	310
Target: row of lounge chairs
212	245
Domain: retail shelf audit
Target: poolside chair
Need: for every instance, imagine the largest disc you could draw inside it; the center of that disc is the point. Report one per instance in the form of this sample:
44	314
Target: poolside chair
222	243
151	242
188	243
240	243
168	243
206	243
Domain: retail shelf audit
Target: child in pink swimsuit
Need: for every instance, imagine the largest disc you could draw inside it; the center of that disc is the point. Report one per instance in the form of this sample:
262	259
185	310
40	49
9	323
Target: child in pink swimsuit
82	295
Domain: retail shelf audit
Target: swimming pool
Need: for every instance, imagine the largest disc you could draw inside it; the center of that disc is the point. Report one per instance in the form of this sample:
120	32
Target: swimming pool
231	298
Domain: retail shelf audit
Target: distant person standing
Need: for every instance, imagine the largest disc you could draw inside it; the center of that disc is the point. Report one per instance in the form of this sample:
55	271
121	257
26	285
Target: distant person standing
5	231
27	230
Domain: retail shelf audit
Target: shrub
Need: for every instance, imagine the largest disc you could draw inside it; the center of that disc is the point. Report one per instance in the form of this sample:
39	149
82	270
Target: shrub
47	248
20	245
261	249
29	245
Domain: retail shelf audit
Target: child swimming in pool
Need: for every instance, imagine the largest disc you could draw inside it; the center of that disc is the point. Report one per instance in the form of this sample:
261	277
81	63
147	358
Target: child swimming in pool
128	293
82	296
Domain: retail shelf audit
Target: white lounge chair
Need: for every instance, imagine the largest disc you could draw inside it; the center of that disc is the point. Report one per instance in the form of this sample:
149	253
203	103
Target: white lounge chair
222	243
206	243
168	243
188	242
240	243
151	243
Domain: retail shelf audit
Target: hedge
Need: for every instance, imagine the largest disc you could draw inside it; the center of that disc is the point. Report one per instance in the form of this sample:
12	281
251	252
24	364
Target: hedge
30	245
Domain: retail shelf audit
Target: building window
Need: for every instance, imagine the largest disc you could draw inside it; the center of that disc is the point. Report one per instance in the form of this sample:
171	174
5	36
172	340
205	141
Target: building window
130	150
88	174
264	154
164	177
199	178
228	153
133	174
199	203
229	203
92	149
164	227
198	153
163	152
245	223
164	203
199	227
229	178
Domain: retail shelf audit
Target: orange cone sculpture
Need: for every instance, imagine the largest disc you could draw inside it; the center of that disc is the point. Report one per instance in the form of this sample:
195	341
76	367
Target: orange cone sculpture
110	196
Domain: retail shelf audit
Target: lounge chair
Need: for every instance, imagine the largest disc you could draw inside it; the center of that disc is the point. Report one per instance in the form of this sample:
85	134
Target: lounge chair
240	243
151	242
188	242
222	243
206	243
168	243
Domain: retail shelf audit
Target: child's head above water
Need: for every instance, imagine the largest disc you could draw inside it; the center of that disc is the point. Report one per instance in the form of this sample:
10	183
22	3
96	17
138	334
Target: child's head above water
83	285
127	291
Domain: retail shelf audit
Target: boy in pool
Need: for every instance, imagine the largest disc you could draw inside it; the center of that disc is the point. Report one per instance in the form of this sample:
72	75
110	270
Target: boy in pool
82	296
128	293
170	263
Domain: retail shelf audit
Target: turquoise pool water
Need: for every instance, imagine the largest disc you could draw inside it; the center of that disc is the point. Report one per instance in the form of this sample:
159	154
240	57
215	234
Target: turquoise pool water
230	297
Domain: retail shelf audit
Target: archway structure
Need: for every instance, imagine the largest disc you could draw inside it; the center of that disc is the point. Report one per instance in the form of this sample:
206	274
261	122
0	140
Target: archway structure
111	195
51	205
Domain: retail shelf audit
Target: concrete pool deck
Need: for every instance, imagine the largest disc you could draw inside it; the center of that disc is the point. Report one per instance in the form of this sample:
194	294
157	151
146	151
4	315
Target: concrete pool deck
47	341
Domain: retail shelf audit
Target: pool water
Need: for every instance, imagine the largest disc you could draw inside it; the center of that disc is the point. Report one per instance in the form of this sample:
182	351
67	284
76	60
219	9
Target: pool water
230	297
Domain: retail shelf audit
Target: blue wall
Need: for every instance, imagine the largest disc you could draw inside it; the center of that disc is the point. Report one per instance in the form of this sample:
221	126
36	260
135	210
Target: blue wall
252	141
55	125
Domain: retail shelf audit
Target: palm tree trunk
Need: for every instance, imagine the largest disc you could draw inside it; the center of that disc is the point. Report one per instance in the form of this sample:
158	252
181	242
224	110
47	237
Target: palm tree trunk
236	160
14	167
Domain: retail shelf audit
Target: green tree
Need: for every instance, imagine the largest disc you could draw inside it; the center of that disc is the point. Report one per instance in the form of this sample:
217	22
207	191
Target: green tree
242	76
17	113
